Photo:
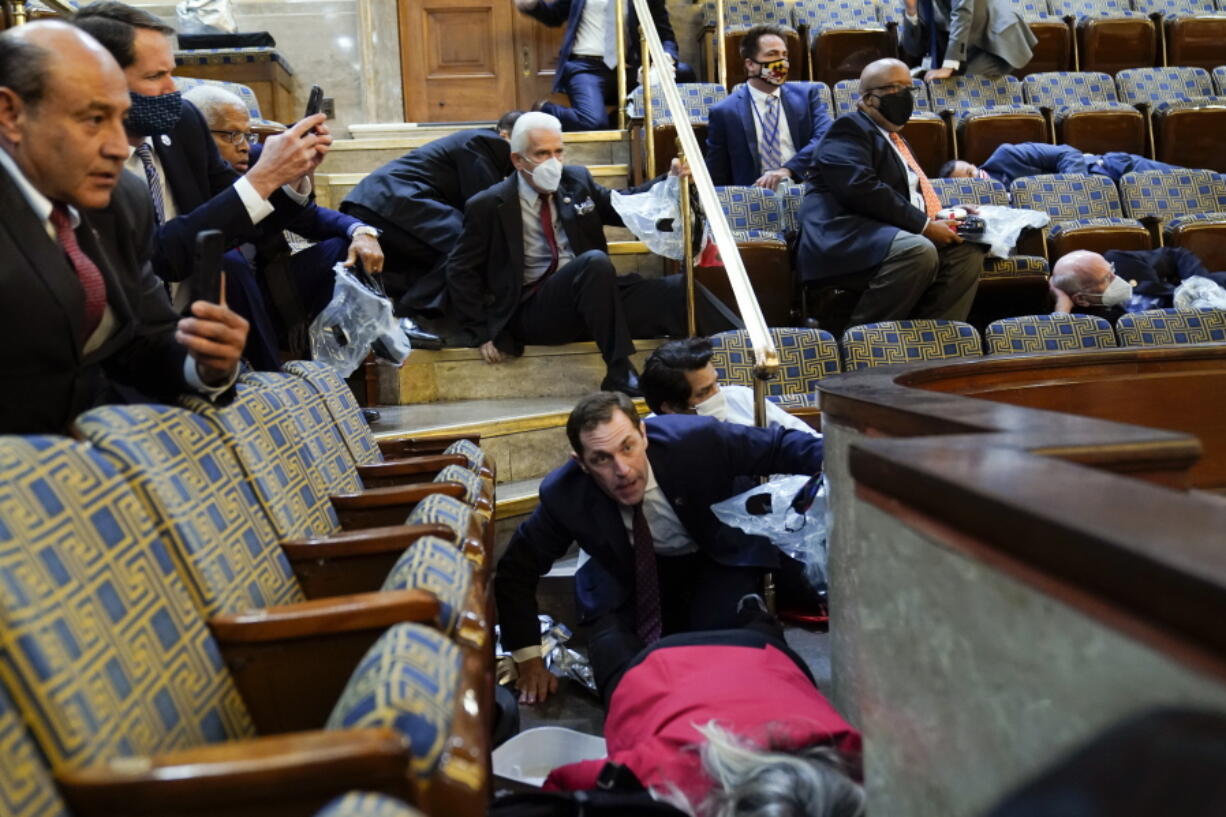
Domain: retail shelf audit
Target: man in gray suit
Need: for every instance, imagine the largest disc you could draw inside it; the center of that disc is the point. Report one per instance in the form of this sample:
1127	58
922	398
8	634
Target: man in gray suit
987	37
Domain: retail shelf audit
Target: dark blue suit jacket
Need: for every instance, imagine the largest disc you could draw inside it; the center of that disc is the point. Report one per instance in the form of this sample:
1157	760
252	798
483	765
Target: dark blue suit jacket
202	186
732	138
571	12
1013	161
697	461
856	202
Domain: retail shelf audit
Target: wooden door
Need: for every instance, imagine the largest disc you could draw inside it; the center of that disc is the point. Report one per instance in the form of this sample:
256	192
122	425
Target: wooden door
536	55
456	59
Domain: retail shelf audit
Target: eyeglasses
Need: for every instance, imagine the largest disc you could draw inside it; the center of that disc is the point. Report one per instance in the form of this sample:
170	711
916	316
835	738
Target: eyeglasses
237	137
894	89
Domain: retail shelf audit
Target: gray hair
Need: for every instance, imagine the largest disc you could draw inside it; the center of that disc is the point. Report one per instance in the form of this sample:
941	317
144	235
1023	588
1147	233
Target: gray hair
1076	270
762	783
533	120
213	100
23	66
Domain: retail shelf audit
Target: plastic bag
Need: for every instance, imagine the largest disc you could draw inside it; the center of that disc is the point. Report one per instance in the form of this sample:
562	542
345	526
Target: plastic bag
1004	225
560	659
206	16
357	319
654	217
790	511
1199	292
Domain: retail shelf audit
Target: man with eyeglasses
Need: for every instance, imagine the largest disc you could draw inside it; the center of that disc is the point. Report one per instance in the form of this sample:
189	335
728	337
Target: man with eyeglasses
869	218
299	283
1110	284
190	187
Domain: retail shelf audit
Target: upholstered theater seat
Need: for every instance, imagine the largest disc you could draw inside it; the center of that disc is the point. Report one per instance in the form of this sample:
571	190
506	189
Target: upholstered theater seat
1054	49
1194	31
1187	122
1164	327
698	97
1085	212
1188	208
805	357
843	36
986	113
739	17
26	787
1038	334
756	221
893	342
1111	34
1086	112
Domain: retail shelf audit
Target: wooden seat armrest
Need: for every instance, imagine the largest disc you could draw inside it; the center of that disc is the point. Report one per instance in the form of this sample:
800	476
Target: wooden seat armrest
430	464
394	495
416	446
337	614
362	542
293	774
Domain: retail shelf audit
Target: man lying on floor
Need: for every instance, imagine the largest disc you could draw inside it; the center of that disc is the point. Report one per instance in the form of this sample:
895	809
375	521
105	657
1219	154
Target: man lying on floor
637	498
727	722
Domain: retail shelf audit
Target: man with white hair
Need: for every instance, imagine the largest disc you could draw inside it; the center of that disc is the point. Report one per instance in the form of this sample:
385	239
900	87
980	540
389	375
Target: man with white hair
532	265
301	284
1119	281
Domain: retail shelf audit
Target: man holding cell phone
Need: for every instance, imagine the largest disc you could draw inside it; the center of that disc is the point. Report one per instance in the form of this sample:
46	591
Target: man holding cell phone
190	186
84	320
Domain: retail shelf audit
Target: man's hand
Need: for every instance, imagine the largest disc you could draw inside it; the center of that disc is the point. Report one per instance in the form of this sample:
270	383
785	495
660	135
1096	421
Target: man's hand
942	233
938	73
771	179
289	156
535	683
1063	302
214	338
490	354
366	248
679	168
526	5
323	143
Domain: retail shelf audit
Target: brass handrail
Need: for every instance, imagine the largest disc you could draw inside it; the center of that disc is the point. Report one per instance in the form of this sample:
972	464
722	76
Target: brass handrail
766	356
620	16
721	57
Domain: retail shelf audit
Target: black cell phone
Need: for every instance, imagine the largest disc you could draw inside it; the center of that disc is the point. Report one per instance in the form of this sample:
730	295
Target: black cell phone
206	269
315	103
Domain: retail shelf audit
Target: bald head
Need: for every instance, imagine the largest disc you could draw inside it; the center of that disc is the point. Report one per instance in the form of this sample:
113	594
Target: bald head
888	78
1082	273
884	72
63	126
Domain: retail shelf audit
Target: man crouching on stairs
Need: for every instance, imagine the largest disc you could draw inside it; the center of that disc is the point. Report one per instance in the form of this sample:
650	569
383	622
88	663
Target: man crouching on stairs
636	495
532	266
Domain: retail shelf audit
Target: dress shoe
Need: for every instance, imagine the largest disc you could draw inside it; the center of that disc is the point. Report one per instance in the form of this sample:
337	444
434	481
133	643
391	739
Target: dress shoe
371	416
418	337
538	105
622	378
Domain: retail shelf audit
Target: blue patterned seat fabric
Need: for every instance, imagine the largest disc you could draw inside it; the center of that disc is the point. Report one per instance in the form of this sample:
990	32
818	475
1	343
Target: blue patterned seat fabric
1168	194
1162	327
1073	201
1057	332
230	558
346	413
790	197
954	192
1085	10
1035	11
1178	9
101	647
968	97
408	680
1165	87
232	56
26	788
367	804
434	564
847	91
837	15
1069	92
455	514
1219	79
805	357
893	342
742	15
752	212
698	97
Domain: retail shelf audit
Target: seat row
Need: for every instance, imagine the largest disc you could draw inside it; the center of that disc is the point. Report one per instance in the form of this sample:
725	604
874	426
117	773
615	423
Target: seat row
808	355
1176	115
832	40
211	605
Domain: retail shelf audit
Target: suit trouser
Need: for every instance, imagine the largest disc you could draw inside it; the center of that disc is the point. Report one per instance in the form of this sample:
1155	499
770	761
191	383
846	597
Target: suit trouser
591	85
245	296
916	280
413	269
696	593
587	300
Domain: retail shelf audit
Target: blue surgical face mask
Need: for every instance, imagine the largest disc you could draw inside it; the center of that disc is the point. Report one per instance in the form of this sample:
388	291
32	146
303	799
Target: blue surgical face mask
151	115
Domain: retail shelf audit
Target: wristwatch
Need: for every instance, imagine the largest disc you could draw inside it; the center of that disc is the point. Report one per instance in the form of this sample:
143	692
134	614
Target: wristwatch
365	229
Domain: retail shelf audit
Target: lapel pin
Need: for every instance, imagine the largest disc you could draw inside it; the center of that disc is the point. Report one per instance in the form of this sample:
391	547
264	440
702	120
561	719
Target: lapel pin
566	200
166	139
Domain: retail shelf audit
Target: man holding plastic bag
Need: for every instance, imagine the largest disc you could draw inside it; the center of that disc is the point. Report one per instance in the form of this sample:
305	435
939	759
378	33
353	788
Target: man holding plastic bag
637	497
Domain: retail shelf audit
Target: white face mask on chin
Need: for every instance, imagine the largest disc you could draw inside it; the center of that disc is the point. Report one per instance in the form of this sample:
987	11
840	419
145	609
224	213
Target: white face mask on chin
714	406
547	174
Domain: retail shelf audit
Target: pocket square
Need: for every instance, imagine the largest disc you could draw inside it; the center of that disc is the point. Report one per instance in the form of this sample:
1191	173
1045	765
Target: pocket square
584	207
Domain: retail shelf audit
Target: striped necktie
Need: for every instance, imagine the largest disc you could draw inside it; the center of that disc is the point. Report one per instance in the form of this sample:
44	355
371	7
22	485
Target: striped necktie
92	283
145	151
772	154
932	204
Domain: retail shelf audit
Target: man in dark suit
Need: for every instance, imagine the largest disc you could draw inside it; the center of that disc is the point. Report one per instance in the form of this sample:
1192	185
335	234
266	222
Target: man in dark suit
766	130
1013	161
532	265
589	55
868	217
637	498
987	37
84	320
417	201
190	186
1116	282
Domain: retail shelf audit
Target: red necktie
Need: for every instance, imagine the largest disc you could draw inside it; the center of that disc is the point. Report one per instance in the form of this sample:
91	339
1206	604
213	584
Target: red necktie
931	203
646	581
550	238
88	273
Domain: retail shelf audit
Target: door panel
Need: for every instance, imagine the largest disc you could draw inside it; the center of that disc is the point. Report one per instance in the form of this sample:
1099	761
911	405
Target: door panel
536	49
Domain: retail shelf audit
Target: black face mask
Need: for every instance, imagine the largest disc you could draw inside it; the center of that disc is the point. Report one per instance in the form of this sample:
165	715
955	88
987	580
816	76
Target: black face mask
896	107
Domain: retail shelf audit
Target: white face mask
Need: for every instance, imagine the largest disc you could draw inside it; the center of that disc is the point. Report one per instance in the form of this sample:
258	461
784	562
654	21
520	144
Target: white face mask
547	174
714	406
1117	293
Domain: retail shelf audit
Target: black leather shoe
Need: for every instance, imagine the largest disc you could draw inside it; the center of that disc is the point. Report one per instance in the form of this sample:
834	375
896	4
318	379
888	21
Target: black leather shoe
419	338
623	379
371	416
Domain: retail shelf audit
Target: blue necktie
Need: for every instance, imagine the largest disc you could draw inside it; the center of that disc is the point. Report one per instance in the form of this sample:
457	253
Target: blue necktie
772	155
928	18
145	152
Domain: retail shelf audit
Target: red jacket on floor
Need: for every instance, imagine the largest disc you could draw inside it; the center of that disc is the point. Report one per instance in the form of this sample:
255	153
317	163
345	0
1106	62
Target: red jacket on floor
758	694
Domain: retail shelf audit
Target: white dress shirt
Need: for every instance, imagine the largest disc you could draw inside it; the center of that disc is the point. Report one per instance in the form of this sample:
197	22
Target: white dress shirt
917	197
536	249
590	38
42	207
786	149
740	410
